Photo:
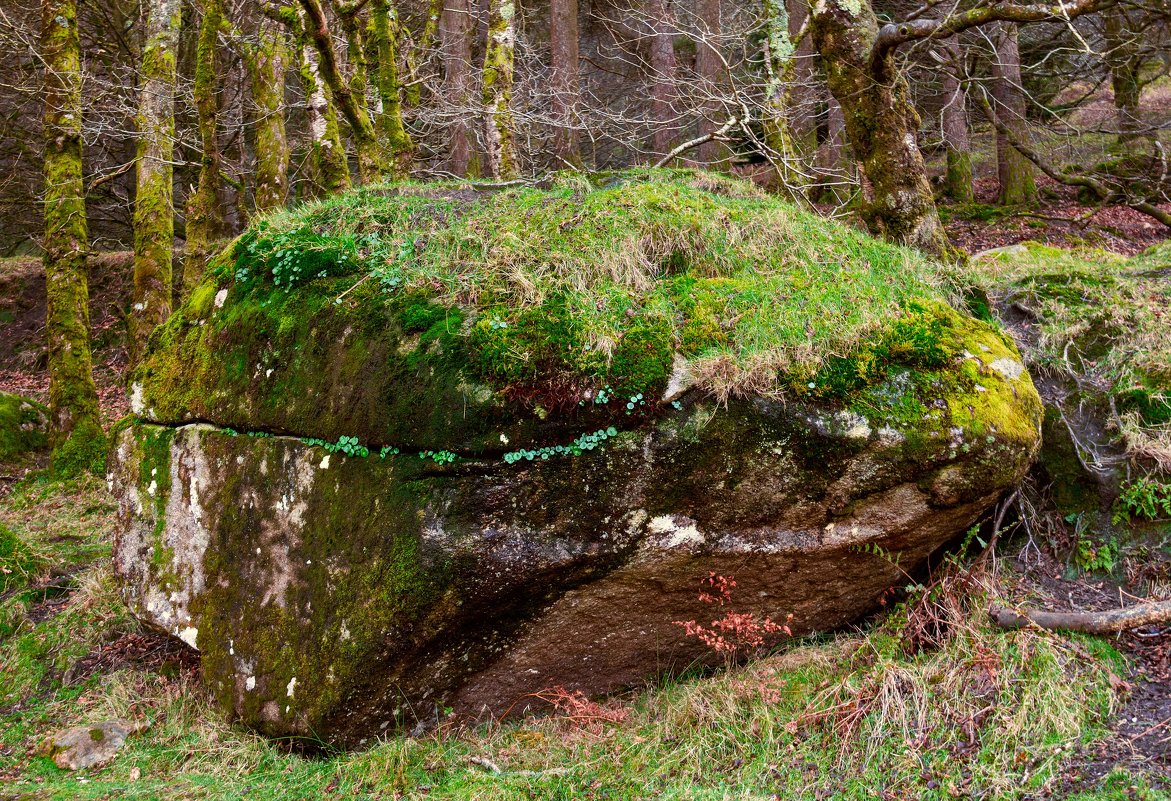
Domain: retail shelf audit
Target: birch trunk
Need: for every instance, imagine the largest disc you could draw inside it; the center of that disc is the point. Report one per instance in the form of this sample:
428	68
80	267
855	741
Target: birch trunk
497	89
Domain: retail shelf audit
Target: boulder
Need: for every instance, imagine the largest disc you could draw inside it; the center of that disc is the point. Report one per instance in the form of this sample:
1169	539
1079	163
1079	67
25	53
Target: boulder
89	746
433	449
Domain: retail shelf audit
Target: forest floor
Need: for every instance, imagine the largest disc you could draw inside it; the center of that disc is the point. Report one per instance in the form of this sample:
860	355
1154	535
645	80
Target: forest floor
926	700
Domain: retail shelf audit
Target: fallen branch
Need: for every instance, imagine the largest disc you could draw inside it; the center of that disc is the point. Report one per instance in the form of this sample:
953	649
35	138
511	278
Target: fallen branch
1110	621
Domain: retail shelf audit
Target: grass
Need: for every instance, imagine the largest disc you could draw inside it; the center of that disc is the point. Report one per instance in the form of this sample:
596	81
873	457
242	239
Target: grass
932	703
742	285
1105	320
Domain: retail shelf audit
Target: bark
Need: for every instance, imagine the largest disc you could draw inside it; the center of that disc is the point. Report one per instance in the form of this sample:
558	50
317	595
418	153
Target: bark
1014	171
456	41
957	182
350	96
663	69
563	43
154	210
331	171
1106	622
497	90
709	67
780	67
75	429
803	83
1122	56
267	63
412	92
205	221
392	135
881	124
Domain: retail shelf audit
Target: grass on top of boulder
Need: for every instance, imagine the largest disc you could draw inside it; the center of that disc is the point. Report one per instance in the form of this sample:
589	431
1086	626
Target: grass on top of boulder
1103	319
604	277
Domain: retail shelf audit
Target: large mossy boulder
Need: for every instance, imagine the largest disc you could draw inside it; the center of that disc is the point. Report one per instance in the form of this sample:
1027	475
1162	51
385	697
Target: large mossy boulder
436	447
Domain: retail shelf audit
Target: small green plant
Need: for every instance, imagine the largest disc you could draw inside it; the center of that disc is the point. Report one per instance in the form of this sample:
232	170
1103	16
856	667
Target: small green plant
439	457
388	451
586	442
1090	555
1142	498
349	446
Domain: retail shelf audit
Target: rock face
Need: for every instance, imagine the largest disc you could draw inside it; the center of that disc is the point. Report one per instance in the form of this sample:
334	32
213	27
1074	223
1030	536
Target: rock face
359	525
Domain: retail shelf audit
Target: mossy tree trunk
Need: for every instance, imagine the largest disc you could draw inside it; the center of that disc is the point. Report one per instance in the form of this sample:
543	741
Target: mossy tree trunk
267	63
881	124
75	434
154	211
957	183
395	140
1015	172
779	59
455	34
331	171
205	216
564	48
663	69
350	95
499	54
1125	63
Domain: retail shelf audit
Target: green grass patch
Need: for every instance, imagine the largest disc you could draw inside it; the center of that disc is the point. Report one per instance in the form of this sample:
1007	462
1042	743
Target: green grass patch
603	279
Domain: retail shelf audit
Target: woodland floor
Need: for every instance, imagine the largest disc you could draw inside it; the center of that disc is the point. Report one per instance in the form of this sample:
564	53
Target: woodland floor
815	720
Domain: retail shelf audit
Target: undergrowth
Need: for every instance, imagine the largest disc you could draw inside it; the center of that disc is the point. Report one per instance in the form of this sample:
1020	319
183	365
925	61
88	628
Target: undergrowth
930	703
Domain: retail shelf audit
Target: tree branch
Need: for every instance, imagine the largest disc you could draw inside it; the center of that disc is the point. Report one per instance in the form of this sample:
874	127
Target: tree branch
1107	622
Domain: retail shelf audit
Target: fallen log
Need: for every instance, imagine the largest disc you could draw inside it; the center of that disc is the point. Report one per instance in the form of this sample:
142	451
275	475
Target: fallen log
1109	621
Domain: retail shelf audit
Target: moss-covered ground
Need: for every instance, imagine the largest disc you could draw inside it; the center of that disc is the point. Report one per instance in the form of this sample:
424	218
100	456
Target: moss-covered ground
979	713
1103	319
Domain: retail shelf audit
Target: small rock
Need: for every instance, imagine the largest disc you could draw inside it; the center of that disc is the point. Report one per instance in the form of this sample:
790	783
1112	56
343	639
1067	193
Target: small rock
89	746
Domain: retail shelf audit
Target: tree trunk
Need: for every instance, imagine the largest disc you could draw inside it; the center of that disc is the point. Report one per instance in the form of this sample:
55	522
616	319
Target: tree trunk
350	96
205	219
1015	172
331	172
779	64
881	124
563	43
413	91
154	210
75	426
393	136
455	32
1122	45
497	90
662	76
267	64
709	67
957	182
803	83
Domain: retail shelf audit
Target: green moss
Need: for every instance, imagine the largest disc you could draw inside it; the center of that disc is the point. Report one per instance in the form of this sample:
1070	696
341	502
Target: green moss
22	426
